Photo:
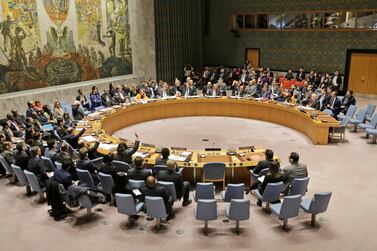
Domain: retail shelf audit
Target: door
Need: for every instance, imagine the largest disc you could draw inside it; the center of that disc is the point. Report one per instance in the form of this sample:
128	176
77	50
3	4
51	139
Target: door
363	73
253	56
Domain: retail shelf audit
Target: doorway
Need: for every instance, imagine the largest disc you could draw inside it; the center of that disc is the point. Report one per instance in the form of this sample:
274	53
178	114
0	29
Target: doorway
252	54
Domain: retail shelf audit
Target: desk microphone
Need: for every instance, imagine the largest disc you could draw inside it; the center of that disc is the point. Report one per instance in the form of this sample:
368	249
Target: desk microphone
213	148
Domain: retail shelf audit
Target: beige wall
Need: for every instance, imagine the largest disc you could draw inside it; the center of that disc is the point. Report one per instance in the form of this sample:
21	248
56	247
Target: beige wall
144	65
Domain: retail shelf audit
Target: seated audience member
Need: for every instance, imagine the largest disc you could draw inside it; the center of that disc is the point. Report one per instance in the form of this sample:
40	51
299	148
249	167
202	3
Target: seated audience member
347	101
121	94
30	108
124	153
37	141
153	190
300	75
92	150
7	153
36	166
275	92
17	128
289	75
251	89
182	188
265	94
324	99
48	114
294	170
67	120
78	112
95	99
141	96
51	150
106	98
163	159
222	87
314	102
118	174
38	106
73	139
138	173
86	164
60	129
263	164
63	154
7	131
335	104
82	99
272	176
21	157
58	110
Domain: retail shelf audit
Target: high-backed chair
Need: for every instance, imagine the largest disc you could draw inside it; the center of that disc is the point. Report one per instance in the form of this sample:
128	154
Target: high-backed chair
48	163
239	210
341	130
155	207
107	184
350	112
328	111
271	193
214	172
121	165
97	161
34	184
288	209
58	165
157	168
233	191
204	191
126	205
360	117
371	125
206	210
22	180
136	184
170	187
254	177
86	203
85	177
372	132
370	111
7	167
318	204
299	186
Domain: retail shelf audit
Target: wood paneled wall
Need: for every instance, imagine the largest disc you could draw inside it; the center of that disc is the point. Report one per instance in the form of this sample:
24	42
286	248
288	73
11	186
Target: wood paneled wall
363	73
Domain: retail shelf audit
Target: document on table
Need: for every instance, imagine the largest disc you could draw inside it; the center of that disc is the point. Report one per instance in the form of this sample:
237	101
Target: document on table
140	154
89	139
186	153
177	158
261	179
108	147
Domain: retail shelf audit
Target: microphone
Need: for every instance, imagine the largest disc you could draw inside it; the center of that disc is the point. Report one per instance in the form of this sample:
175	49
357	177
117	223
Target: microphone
213	148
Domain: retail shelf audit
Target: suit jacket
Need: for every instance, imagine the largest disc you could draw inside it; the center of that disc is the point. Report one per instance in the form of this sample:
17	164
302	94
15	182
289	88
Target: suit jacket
263	164
162	161
348	101
22	160
8	156
157	191
64	177
87	165
138	174
62	132
73	139
77	113
191	91
325	101
51	153
176	178
126	156
336	106
36	166
316	104
269	179
61	156
300	76
293	171
8	136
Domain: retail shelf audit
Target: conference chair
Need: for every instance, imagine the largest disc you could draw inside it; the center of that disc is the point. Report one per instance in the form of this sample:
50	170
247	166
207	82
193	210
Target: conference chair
372	132
98	161
371	125
360	117
22	180
204	191
121	165
254	177
206	210
350	112
86	203
126	205
288	209
107	184
328	111
341	130
370	111
214	172
72	150
58	165
157	168
239	210
85	177
48	163
155	207
271	193
136	184
34	184
299	186
7	168
318	204
233	191
171	189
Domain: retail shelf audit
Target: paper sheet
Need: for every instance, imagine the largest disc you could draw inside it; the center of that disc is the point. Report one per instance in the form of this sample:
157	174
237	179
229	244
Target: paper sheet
89	139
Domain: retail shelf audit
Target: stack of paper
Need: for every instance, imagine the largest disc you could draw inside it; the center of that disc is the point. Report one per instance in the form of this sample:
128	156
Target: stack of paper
108	147
177	158
141	154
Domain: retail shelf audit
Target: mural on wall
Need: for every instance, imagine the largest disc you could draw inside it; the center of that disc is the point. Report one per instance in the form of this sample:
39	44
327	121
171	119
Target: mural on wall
53	42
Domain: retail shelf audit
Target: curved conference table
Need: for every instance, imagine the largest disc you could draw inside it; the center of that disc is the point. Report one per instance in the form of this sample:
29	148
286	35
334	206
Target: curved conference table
106	121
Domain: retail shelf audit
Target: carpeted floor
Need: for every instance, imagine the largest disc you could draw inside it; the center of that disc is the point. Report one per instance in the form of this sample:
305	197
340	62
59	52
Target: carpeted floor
347	169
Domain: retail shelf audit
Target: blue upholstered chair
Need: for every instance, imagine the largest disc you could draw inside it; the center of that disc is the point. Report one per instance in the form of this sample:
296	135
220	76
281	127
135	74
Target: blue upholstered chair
22	180
288	209
317	205
372	132
350	112
214	172
170	187
370	111
328	111
157	168
299	186
360	117
204	191
233	191
122	165
34	184
371	125
341	130
239	210
271	193
48	163
58	165
107	184
136	184
155	207
85	177
98	161
86	203
206	210
126	205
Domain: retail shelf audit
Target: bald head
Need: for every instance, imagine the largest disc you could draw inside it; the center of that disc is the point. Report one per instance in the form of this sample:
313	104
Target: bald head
151	181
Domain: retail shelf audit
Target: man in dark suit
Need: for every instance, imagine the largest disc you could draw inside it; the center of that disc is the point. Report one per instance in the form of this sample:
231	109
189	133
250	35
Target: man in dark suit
335	104
301	74
17	128
77	111
22	158
347	101
324	99
30	108
82	99
85	164
36	166
263	164
60	129
92	150
124	153
51	150
7	131
314	102
63	154
138	173
153	190
182	188
164	157
336	81
106	98
189	89
73	139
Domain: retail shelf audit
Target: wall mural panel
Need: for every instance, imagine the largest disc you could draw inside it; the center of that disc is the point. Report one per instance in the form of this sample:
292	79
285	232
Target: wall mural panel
53	42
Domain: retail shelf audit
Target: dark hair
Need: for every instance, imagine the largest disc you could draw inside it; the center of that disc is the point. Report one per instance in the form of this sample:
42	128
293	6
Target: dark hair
274	169
121	147
165	153
64	147
34	150
108	158
59	120
294	156
4	123
138	162
20	145
67	163
269	154
351	92
50	143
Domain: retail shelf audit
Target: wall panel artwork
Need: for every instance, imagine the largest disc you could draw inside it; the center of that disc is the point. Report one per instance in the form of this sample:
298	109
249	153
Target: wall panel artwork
54	42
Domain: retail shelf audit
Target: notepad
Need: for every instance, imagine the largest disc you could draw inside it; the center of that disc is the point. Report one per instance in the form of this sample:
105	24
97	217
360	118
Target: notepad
177	158
136	192
186	153
108	147
89	139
